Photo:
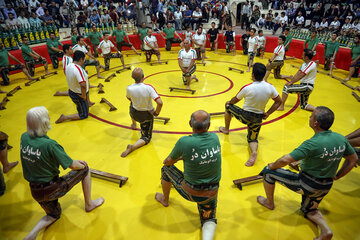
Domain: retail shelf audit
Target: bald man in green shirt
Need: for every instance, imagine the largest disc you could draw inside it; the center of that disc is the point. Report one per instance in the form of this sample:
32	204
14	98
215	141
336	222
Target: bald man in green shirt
320	158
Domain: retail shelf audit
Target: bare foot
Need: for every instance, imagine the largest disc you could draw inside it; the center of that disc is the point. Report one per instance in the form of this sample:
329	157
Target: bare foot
61	119
281	108
160	198
1	91
188	87
99	76
10	166
127	151
346	79
265	202
94	204
133	126
251	160
57	93
224	130
248	70
206	57
325	236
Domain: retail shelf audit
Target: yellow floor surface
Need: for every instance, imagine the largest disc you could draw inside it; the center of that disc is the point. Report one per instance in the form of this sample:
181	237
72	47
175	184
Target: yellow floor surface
131	212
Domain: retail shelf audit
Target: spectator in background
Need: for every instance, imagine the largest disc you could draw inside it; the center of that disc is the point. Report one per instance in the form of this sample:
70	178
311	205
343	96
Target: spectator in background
64	14
23	21
302	10
154	6
187	17
84	4
34	20
205	10
114	16
196	18
105	17
313	25
178	19
261	22
8	10
81	20
102	7
33	5
245	14
48	19
345	13
40	12
91	8
121	11
11	22
299	21
290	13
355	26
335	25
346	28
22	8
170	18
192	5
153	21
160	6
323	25
255	15
332	12
95	18
281	24
182	8
268	21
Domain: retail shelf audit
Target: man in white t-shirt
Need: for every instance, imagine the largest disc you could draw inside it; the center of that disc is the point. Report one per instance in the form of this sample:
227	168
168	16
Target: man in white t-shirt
78	83
306	75
141	96
81	46
199	41
323	25
256	95
346	28
196	18
187	63
178	19
66	60
335	25
262	43
283	20
276	61
105	46
300	20
150	46
252	45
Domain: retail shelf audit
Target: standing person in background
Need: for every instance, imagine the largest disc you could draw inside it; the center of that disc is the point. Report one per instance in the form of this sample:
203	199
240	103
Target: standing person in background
213	36
252	45
245	15
244	41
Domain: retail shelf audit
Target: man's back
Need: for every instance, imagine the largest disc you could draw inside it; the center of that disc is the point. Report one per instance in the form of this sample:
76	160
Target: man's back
201	154
141	96
256	95
321	154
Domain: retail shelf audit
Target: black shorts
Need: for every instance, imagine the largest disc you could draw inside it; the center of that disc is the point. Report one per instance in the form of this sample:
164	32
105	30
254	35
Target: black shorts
11	68
252	120
190	72
146	121
119	45
82	105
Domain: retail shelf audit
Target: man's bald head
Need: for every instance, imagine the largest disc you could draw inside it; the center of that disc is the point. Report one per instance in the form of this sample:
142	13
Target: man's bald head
137	75
200	121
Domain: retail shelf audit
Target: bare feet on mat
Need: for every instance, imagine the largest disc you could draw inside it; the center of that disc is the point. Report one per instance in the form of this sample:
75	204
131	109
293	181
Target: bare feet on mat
248	70
263	201
188	87
160	198
224	130
357	88
57	93
1	91
127	151
99	76
251	160
61	119
94	204
133	126
10	166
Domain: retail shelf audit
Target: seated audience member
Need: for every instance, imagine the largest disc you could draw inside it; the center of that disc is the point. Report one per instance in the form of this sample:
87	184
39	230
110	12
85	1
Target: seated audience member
300	21
40	158
323	25
335	25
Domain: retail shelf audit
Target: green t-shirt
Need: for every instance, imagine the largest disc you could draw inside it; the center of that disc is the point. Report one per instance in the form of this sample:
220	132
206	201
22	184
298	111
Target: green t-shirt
94	37
288	40
331	47
4	57
169	33
41	158
73	40
311	43
25	51
201	154
119	35
355	52
321	154
143	33
50	43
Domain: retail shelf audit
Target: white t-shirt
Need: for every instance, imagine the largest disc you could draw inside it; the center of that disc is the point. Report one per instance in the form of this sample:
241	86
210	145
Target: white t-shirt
77	47
334	24
66	61
261	41
105	46
141	96
196	14
283	20
187	57
252	42
310	72
178	15
188	35
200	39
324	24
182	8
75	75
356	26
149	40
300	19
257	95
279	52
346	27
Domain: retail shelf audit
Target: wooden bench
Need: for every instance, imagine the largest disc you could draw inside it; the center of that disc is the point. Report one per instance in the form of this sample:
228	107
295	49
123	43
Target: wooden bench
109	176
112	107
48	75
235	69
110	77
356	96
3	103
129	54
101	90
28	83
165	119
161	62
182	89
14	90
123	69
239	182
